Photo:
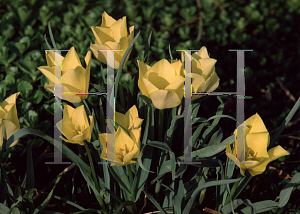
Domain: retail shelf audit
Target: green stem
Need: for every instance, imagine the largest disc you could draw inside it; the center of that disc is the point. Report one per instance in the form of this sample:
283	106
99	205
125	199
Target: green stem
131	181
236	184
161	125
94	177
121	95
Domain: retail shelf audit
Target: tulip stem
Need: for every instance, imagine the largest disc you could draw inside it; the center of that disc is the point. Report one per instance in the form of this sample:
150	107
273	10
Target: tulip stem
131	181
94	177
161	125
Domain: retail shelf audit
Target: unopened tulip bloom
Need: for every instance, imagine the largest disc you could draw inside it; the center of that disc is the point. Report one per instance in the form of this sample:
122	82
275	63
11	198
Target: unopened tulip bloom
74	78
9	118
204	76
126	147
75	126
162	83
112	35
257	140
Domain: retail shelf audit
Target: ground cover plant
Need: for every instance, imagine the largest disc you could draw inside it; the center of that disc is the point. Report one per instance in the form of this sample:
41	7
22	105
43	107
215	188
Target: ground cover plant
146	171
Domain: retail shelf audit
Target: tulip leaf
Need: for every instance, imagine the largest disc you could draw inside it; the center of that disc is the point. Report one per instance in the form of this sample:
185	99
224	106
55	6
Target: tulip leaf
288	189
147	48
160	145
212	150
146	99
29	177
202	186
51	36
156	204
124	204
119	174
284	124
170	53
84	168
142	172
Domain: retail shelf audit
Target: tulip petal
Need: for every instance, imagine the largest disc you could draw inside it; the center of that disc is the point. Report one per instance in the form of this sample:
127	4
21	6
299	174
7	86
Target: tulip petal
135	135
102	34
79	117
119	29
100	55
258	143
163	99
88	131
51	56
149	86
161	74
143	68
11	128
71	60
277	152
133	154
73	78
49	73
69	97
207	66
121	119
202	53
107	20
257	124
177	65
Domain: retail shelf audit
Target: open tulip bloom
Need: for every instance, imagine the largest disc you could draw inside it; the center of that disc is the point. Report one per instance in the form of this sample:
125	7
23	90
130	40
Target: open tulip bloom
162	83
112	35
257	140
126	147
74	78
204	76
75	126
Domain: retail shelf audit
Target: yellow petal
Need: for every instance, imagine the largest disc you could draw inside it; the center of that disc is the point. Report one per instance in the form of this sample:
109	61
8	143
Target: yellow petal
9	109
51	56
177	65
76	79
143	68
258	143
257	125
102	34
260	168
202	53
49	73
277	152
135	135
121	119
107	20
79	117
207	66
122	138
88	131
163	99
11	128
71	98
100	55
119	29
150	87
71	60
161	74
130	155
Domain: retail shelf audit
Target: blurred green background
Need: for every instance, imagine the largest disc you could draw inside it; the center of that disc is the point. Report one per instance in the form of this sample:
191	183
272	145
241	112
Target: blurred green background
269	27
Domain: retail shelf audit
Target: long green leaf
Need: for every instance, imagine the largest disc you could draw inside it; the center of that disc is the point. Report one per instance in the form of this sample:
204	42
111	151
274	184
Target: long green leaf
156	204
288	189
284	124
51	36
142	175
202	186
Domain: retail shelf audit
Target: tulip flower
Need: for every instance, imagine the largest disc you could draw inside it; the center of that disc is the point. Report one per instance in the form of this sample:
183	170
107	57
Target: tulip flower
162	83
112	35
126	147
9	118
204	76
130	121
75	126
74	78
257	140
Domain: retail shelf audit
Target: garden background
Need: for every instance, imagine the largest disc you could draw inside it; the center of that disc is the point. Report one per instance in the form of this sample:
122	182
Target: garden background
270	28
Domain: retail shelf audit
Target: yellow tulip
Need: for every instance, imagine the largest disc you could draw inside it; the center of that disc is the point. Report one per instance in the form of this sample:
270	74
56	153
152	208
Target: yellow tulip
162	83
9	118
204	76
112	35
75	126
74	78
130	120
126	147
257	140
